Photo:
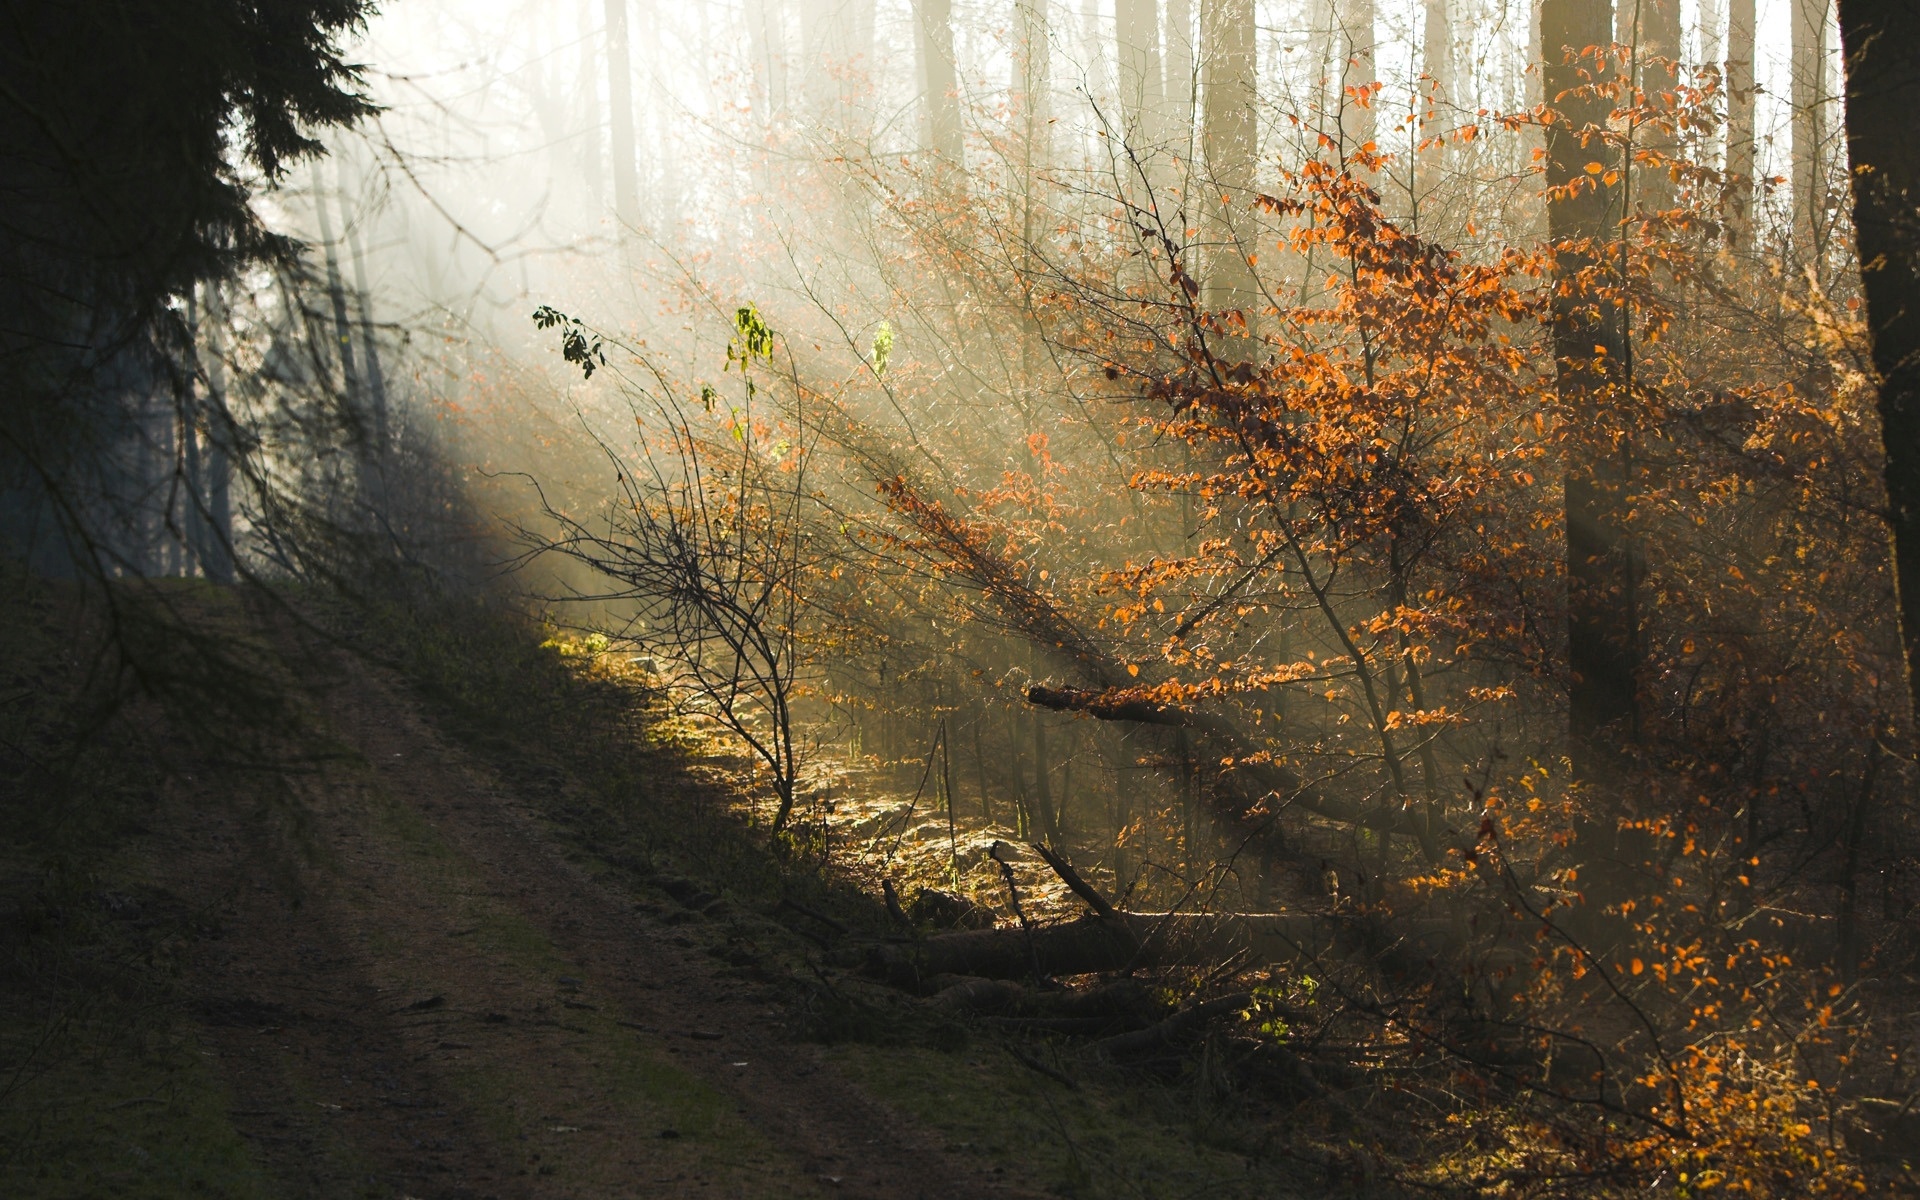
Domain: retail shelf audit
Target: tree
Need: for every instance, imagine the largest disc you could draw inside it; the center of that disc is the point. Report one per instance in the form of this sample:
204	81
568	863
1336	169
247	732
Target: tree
1229	74
626	177
1883	93
706	545
1358	71
1808	94
939	87
1142	97
1182	84
133	134
1740	94
1589	348
1651	31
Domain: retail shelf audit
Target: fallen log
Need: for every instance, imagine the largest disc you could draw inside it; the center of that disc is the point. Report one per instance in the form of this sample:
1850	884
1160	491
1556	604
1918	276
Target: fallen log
1171	1031
1130	940
1109	704
1223	741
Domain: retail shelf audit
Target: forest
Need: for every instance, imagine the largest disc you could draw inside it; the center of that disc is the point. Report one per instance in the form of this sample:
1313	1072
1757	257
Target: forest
901	598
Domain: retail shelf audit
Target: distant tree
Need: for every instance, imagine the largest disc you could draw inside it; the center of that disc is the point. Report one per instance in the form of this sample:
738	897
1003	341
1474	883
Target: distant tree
1137	38
1229	77
626	177
1808	92
1590	350
1740	92
939	101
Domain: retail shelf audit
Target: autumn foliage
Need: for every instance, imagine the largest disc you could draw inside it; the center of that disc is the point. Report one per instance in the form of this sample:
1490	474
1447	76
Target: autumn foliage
1267	607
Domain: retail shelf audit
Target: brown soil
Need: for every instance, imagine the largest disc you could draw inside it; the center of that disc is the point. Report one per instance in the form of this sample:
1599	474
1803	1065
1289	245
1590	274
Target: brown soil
413	991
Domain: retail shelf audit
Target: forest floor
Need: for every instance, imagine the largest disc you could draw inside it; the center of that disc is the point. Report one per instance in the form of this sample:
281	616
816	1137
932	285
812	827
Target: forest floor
420	973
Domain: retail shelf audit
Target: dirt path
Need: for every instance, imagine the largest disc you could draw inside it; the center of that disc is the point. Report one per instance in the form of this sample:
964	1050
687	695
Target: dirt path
416	993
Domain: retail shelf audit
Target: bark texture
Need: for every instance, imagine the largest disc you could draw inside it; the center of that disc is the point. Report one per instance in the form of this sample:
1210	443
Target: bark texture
1591	352
1883	94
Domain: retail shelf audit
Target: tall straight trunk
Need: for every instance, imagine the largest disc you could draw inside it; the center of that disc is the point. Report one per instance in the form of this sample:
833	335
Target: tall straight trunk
1043	811
1651	28
1809	68
219	564
1883	92
159	550
1031	81
1536	78
665	158
1228	139
939	87
193	464
767	27
1136	30
336	292
1601	623
1324	73
1093	47
1357	70
1182	84
193	518
363	298
1740	91
588	76
1436	49
980	770
1436	97
1713	33
1031	87
626	179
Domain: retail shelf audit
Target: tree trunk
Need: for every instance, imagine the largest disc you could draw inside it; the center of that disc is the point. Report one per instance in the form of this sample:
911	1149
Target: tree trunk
1589	348
1031	86
939	98
664	122
980	771
336	292
1883	93
1436	49
1713	50
1323	75
219	564
1093	49
1182	85
1042	783
369	349
1436	97
1142	93
1809	66
587	80
1652	29
1230	78
1740	148
1357	70
626	181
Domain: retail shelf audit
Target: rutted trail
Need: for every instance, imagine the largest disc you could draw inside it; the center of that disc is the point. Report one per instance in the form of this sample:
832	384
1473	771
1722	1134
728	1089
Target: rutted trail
440	1003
